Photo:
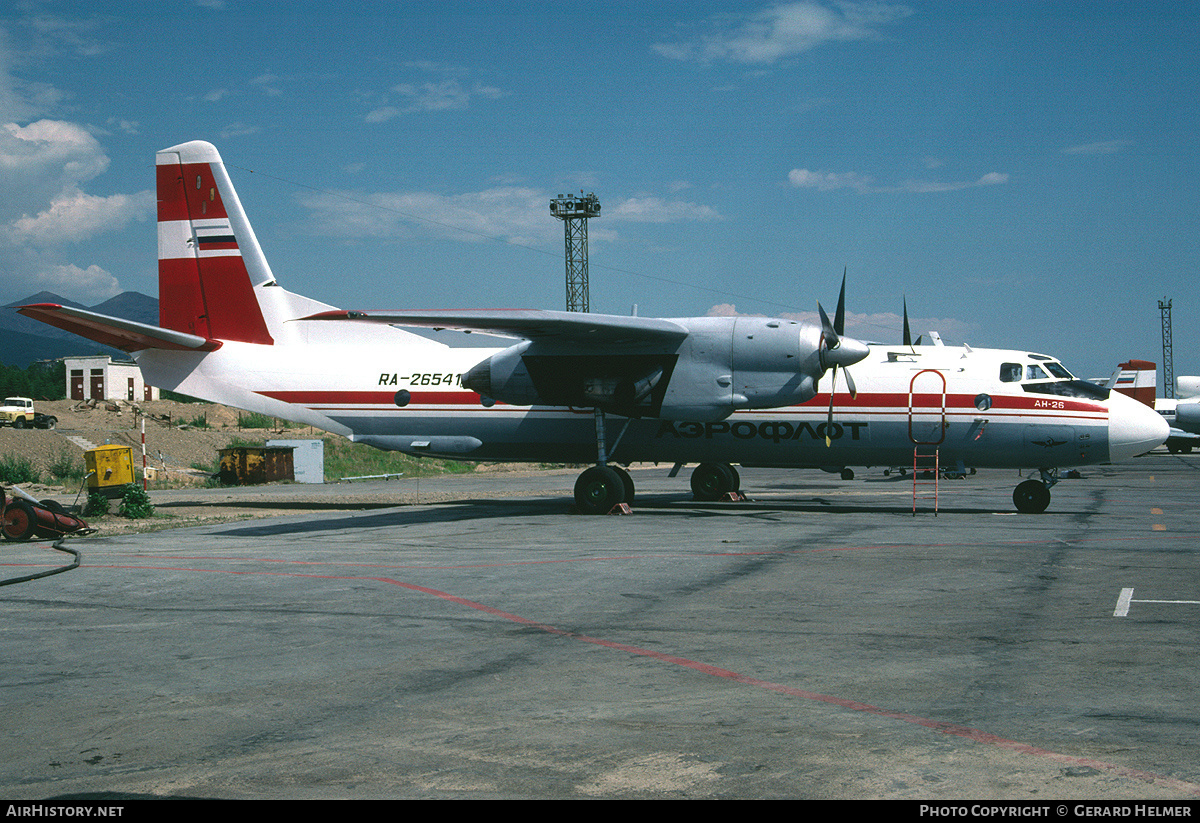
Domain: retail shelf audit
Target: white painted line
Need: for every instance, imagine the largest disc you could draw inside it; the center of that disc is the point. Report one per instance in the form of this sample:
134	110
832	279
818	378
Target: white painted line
1126	598
1123	603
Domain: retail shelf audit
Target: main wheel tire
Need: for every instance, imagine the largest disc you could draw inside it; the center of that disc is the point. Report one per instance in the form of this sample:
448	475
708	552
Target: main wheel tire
737	478
1031	497
626	481
710	481
598	489
20	521
19	423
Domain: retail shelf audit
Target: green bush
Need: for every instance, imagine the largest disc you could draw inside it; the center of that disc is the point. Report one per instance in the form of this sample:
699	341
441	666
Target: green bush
15	469
135	503
96	506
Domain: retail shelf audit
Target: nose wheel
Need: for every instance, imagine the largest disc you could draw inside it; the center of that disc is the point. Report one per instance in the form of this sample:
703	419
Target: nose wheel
1031	497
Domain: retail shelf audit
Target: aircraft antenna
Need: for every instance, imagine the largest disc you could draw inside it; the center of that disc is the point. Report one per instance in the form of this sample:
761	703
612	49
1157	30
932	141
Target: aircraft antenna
574	211
1168	364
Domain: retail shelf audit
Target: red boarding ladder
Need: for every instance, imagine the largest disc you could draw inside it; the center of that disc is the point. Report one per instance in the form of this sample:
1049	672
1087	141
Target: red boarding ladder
925	463
926	434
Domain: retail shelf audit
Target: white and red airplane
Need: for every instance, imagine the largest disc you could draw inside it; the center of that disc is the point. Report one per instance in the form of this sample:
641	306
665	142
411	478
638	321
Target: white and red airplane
581	387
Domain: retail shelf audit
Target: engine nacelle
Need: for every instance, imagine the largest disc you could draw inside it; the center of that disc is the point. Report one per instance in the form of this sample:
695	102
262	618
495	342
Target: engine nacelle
504	377
1187	416
724	364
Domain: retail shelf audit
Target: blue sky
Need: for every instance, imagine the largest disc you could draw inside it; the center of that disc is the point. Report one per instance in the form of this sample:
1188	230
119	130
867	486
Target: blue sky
1024	173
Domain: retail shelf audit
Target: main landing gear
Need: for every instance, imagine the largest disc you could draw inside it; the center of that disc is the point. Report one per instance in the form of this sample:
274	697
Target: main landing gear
603	487
712	481
1033	496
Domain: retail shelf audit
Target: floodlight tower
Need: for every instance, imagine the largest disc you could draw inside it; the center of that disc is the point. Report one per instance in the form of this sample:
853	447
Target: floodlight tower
1168	365
574	211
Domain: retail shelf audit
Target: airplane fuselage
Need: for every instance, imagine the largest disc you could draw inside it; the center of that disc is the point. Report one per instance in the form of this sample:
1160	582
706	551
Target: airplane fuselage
410	399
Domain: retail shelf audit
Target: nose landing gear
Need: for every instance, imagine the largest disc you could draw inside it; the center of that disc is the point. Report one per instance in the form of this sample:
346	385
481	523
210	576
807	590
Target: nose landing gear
1033	496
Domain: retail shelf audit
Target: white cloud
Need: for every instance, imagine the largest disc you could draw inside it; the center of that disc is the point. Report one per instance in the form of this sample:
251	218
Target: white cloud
784	30
268	84
1103	147
511	213
830	181
88	286
45	166
516	214
446	92
74	216
41	161
651	209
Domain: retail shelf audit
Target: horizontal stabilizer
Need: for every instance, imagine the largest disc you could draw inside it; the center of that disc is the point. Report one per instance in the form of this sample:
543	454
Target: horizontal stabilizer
531	324
127	335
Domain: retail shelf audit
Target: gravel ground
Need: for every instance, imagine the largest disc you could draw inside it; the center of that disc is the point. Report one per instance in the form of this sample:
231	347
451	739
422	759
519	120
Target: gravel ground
174	446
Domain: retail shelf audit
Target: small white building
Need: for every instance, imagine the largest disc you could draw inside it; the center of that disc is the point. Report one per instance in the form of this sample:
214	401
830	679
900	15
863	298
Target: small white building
97	377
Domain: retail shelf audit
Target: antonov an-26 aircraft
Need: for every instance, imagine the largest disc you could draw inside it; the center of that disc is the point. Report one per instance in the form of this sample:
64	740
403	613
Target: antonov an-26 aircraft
591	388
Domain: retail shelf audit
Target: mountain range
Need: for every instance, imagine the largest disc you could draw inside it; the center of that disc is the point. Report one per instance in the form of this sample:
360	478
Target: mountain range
24	341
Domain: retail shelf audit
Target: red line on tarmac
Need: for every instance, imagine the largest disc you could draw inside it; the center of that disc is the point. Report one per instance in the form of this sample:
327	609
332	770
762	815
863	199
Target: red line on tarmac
964	732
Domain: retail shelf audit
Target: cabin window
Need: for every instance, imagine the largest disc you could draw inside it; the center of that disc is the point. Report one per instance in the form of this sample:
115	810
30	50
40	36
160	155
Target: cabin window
1010	372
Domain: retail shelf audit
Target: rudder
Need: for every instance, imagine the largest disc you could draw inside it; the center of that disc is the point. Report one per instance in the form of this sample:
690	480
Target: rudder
209	261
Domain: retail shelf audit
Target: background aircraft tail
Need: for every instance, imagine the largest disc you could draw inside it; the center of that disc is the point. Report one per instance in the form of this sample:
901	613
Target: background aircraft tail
1137	379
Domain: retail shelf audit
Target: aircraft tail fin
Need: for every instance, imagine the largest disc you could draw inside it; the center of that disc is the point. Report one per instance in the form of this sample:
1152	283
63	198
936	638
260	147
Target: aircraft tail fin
210	265
1136	379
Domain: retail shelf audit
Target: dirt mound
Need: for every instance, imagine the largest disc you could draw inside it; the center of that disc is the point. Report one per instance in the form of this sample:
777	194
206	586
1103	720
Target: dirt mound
183	439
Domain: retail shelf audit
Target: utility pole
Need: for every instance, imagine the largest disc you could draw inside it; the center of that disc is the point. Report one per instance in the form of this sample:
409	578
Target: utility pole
1168	364
574	211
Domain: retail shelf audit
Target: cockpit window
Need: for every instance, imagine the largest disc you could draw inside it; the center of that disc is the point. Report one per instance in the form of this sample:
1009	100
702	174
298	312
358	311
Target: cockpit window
1033	372
1010	372
1069	388
1057	370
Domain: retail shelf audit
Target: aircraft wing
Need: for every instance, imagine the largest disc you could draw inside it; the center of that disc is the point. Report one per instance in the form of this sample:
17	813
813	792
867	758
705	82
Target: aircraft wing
127	335
531	324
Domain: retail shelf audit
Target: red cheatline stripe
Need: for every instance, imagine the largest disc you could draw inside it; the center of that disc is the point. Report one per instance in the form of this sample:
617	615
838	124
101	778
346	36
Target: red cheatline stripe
954	404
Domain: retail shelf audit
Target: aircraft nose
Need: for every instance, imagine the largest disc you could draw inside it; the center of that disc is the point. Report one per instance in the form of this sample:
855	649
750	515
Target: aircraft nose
1133	428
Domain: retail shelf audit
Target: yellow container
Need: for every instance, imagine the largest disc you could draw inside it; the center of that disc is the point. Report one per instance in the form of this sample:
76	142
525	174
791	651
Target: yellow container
111	468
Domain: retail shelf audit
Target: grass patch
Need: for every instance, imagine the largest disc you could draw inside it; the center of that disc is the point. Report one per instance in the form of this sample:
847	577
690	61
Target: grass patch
346	459
66	468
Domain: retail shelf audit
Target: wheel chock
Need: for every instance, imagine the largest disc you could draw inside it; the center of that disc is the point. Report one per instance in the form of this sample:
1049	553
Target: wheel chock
734	497
621	508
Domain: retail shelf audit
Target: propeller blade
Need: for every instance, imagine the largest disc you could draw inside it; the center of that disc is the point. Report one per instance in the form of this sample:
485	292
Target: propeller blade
829	419
839	319
829	335
907	334
850	383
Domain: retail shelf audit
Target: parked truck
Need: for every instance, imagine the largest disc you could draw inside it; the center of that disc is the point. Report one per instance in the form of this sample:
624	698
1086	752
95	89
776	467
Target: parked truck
19	413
